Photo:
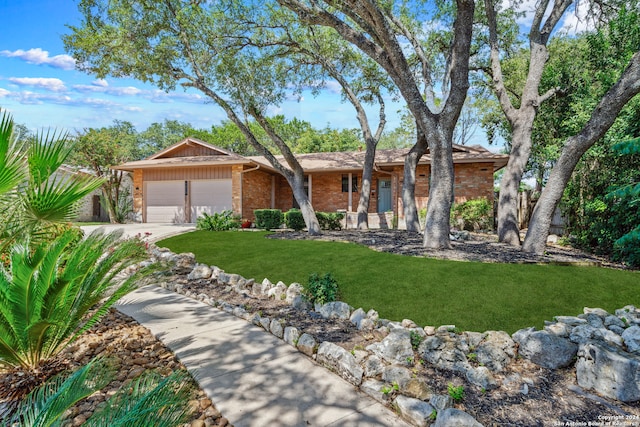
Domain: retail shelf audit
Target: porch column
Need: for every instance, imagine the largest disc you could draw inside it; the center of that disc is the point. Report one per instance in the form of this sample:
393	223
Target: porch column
310	190
350	208
273	191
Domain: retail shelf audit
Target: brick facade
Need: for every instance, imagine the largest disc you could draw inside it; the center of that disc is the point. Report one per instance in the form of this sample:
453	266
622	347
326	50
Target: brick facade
255	184
256	193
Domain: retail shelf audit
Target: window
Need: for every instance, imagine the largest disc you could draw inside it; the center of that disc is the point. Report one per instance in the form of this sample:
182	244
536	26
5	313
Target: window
345	183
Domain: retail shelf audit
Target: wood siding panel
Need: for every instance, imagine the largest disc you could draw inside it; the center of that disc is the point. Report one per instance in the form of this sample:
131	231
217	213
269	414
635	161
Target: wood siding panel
187	174
188	151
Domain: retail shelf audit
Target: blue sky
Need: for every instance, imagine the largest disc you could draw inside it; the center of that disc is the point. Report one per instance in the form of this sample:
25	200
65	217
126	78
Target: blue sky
41	88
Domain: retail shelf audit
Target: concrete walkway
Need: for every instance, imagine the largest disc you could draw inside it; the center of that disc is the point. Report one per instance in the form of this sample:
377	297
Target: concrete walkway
252	377
156	231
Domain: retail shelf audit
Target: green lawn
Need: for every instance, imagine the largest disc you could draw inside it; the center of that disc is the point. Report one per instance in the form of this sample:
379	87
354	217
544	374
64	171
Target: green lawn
473	296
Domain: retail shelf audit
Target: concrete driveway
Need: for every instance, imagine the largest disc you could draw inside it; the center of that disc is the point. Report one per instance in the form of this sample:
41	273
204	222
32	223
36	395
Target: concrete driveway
156	231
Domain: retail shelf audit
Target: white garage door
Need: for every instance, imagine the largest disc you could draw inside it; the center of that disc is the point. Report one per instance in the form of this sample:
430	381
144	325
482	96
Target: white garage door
165	201
210	196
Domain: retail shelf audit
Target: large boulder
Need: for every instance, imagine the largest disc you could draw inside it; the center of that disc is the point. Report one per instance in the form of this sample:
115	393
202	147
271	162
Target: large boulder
395	347
340	360
335	310
200	271
496	350
631	337
545	349
609	370
307	344
446	352
416	411
452	417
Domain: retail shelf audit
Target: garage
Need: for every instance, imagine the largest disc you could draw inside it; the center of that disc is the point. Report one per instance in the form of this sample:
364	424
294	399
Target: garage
165	201
184	201
210	196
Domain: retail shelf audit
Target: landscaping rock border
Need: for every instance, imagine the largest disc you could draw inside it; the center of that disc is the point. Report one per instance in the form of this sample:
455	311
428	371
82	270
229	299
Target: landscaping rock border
600	341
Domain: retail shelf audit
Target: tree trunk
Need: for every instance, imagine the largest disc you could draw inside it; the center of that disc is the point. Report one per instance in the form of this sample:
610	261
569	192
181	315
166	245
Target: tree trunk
540	222
365	188
602	117
411	216
106	196
296	181
508	229
437	226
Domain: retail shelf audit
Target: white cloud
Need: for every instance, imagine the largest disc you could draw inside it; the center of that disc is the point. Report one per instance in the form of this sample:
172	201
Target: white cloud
333	87
100	82
89	88
129	90
4	93
49	83
39	57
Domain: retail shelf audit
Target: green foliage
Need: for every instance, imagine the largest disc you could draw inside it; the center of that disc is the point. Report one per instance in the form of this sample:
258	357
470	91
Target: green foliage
148	400
45	406
293	219
627	247
603	207
321	289
416	339
330	220
218	221
269	219
456	392
52	293
34	194
473	215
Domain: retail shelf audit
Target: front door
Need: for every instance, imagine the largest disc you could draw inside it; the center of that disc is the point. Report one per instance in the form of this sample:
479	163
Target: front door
384	195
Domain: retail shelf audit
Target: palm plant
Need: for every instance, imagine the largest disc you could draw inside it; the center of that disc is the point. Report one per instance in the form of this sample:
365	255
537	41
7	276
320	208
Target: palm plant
53	292
150	400
45	405
33	195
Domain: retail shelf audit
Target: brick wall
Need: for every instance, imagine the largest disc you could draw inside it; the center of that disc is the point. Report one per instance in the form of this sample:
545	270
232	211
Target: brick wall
256	192
472	181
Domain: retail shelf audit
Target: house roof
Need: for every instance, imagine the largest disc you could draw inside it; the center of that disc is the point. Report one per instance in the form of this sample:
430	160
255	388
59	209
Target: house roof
354	160
170	157
312	162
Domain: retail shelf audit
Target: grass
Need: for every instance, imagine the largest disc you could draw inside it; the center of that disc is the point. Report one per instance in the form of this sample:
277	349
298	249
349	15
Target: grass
473	296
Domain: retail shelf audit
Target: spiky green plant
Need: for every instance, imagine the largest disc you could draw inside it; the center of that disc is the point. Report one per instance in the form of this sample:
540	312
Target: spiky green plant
34	194
149	400
45	405
53	292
